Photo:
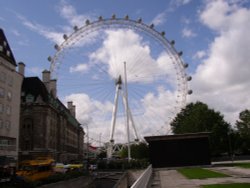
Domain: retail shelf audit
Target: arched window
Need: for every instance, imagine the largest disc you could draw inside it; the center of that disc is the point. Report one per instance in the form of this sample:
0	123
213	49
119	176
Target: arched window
28	124
27	134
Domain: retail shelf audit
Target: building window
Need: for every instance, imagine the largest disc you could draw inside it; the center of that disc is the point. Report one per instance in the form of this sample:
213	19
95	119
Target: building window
8	110
4	43
3	77
8	53
1	92
1	124
7	125
29	98
4	142
28	124
7	144
27	145
9	95
1	48
1	108
10	80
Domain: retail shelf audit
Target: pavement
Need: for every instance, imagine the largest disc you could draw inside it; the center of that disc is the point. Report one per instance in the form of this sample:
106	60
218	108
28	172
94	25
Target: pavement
170	178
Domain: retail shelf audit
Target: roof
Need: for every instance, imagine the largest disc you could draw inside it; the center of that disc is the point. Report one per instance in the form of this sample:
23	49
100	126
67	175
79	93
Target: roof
177	136
35	87
5	50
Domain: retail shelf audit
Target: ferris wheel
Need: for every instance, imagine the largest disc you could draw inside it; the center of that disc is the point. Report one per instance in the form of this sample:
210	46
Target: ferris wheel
121	72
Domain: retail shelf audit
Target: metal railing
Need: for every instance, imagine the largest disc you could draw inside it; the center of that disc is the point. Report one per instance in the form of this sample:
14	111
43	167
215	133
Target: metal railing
143	180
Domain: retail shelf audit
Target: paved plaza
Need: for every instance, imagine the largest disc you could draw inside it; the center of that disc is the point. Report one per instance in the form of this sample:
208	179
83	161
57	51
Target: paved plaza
171	178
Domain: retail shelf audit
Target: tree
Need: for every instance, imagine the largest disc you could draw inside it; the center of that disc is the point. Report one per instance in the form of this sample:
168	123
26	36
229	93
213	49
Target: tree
138	151
102	154
197	117
243	128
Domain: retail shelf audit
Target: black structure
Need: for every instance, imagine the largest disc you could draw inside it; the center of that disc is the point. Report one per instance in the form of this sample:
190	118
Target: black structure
179	150
5	50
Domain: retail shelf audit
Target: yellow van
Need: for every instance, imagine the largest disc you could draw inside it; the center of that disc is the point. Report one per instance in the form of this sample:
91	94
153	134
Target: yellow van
33	170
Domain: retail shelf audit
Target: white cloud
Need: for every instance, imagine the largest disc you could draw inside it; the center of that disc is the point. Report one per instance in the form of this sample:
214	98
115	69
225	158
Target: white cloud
87	107
174	4
24	42
200	54
48	33
185	20
117	49
15	32
97	115
31	71
222	80
159	112
159	19
82	68
69	12
188	33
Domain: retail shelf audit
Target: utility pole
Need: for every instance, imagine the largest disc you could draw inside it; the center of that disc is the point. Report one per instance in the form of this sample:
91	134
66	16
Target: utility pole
87	144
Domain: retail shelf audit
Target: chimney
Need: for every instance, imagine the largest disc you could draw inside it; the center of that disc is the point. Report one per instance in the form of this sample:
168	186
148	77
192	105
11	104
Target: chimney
53	89
72	108
21	68
46	79
70	104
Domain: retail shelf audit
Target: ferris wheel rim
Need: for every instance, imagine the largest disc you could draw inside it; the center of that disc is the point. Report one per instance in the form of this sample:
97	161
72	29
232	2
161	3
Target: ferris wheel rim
138	25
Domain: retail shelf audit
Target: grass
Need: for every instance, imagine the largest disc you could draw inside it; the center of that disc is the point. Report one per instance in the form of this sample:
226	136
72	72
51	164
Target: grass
242	165
200	173
232	185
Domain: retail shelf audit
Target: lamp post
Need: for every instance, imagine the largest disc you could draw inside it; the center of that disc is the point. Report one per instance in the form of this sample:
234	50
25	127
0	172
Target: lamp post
127	112
229	134
86	125
100	140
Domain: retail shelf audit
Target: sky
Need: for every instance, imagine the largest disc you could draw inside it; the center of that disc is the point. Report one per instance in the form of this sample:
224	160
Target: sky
213	35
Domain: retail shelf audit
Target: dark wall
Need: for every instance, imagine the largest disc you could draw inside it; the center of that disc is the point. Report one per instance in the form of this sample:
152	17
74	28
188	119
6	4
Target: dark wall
179	152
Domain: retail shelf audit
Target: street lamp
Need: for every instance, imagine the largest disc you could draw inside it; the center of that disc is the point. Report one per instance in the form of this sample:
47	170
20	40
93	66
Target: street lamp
86	125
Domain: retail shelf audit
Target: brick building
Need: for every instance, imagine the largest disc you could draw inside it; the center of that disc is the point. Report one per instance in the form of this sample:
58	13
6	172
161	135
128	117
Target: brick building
47	127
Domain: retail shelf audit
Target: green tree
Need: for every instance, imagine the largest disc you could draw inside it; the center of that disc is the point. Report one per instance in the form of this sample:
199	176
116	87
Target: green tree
138	151
197	117
102	155
243	128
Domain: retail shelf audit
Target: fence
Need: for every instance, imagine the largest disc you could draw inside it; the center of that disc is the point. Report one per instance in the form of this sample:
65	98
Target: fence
143	180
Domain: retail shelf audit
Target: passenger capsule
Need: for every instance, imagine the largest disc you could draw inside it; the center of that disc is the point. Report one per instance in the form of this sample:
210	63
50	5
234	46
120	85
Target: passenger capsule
75	28
65	37
87	22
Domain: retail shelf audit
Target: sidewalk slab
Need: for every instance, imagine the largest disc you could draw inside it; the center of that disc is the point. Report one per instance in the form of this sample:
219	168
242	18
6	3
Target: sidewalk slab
173	179
226	180
233	171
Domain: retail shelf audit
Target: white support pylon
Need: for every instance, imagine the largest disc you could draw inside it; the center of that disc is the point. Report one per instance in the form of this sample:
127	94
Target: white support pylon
131	118
113	120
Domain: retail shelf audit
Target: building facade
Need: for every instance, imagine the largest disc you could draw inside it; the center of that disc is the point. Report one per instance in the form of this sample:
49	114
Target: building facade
10	90
47	127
